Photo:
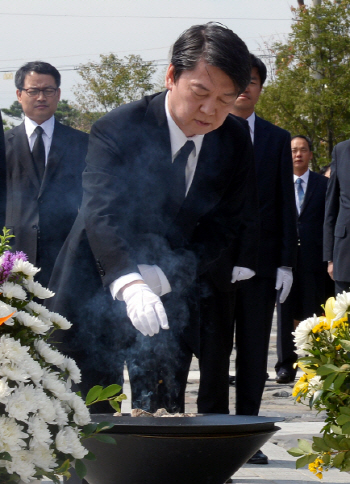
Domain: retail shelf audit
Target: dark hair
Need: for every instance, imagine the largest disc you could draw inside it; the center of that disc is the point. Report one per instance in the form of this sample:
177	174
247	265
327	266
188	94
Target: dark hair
218	46
323	170
258	63
308	140
40	68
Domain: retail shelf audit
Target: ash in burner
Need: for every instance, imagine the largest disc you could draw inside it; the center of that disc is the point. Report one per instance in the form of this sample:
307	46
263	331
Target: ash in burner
161	412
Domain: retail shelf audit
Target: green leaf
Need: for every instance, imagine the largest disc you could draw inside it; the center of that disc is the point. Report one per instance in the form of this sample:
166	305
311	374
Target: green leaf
5	456
89	429
121	397
336	429
339	381
338	459
329	380
90	456
345	443
345	410
331	442
80	469
115	405
93	394
109	391
321	444
326	459
345	344
104	426
315	398
107	439
295	452
346	428
342	419
327	369
305	460
63	467
305	445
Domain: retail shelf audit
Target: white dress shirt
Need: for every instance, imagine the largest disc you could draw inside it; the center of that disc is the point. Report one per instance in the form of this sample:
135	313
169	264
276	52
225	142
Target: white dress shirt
152	274
251	122
304	181
48	127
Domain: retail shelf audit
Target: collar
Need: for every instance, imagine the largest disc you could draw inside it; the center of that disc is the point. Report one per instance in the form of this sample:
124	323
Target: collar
48	126
178	137
304	177
251	122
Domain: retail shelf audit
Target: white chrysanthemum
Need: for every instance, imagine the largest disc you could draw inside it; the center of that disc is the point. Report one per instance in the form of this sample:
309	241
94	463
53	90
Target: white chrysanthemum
341	305
61	417
34	369
302	337
25	268
52	383
67	441
44	458
46	409
9	322
81	413
23	401
6	310
315	384
22	464
37	289
35	324
72	369
14	372
51	356
11	290
39	310
5	390
60	321
12	350
39	431
11	435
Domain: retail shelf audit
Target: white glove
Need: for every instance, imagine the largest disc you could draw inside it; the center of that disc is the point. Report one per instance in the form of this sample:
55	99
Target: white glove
284	280
241	274
145	309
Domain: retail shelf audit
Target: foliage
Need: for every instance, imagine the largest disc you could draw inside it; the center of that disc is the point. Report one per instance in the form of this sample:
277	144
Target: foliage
323	344
42	421
66	113
112	82
14	111
310	89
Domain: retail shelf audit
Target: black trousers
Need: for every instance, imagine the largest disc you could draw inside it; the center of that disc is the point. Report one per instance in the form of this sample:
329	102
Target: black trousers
341	286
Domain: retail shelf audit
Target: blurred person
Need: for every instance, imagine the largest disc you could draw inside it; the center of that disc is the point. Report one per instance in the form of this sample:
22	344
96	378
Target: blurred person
45	161
309	283
2	176
325	170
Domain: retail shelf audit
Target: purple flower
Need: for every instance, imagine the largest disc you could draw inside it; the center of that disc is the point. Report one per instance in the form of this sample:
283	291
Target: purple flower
7	264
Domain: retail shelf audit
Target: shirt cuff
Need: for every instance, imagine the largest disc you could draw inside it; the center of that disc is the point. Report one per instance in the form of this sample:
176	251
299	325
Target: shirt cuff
116	285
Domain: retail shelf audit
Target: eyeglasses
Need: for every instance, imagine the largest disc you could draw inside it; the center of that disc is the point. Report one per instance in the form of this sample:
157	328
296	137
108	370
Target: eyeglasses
48	91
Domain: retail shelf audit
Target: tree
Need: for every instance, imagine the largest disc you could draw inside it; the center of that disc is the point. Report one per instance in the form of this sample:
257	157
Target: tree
15	110
310	89
112	82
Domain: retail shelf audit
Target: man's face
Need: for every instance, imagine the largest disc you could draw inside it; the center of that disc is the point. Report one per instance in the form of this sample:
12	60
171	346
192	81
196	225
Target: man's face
38	108
301	155
200	100
246	101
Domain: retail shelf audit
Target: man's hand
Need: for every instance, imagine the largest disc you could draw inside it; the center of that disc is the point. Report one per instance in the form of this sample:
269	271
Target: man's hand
284	281
241	274
330	269
144	308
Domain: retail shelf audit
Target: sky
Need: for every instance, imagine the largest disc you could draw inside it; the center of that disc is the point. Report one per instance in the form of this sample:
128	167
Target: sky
68	33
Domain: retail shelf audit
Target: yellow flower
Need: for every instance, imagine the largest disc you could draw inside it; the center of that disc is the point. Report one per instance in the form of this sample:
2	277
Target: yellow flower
316	467
329	309
310	373
301	385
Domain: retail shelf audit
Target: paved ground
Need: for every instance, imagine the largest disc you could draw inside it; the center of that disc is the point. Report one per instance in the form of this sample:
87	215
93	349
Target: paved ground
300	422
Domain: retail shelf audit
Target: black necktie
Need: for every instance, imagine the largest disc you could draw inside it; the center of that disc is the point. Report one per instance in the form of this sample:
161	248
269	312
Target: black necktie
178	173
39	152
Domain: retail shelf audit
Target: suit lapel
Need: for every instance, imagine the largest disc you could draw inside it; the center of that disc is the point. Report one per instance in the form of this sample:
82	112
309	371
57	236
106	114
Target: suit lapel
58	148
21	150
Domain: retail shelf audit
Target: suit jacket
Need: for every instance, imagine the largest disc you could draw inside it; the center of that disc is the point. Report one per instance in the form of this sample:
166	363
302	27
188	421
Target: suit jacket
310	224
2	176
41	214
274	171
337	216
124	220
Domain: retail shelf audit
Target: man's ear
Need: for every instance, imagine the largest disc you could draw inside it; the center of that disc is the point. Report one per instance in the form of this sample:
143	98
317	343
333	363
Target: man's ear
19	96
169	77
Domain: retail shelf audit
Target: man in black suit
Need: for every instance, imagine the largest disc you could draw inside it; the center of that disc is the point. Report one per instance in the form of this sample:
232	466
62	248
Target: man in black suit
337	219
153	218
45	161
309	282
255	298
2	176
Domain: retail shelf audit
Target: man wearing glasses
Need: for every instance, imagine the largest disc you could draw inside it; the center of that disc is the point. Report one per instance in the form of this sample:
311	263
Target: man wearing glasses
45	160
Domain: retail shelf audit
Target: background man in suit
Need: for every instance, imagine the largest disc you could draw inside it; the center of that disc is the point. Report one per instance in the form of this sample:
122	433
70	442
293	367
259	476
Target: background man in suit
309	281
2	176
148	227
45	160
337	219
277	249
